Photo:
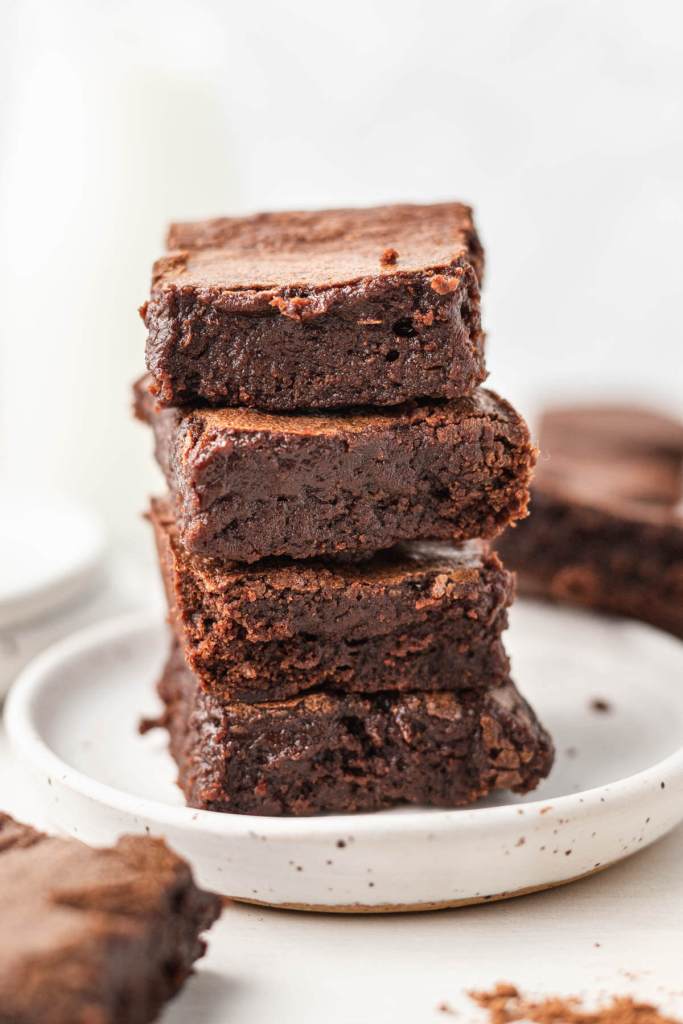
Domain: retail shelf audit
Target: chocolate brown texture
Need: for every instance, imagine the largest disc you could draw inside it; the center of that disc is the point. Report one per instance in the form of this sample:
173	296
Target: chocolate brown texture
346	752
318	310
416	617
94	935
249	485
606	529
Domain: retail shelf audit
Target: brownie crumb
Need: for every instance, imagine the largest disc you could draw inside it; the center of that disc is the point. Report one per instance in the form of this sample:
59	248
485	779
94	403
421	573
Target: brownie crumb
293	308
146	725
504	1004
388	257
443	285
602	707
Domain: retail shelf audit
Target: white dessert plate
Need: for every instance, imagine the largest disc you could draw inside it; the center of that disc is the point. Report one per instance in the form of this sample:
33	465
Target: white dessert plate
611	692
50	550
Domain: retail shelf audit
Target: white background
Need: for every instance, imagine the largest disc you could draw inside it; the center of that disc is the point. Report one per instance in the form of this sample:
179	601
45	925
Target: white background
562	122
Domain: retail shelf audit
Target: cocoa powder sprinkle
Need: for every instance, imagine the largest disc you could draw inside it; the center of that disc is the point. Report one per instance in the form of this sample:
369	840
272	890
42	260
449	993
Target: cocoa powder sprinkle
504	1004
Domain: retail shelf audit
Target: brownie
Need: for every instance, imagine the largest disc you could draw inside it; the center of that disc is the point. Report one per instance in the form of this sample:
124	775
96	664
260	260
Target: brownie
415	617
345	752
613	429
318	310
248	485
94	936
606	529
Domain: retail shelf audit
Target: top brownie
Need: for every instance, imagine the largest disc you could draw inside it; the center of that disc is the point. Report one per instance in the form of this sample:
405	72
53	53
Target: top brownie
318	310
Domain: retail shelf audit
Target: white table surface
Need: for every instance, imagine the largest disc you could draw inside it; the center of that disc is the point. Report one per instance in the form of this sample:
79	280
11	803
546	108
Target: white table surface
619	932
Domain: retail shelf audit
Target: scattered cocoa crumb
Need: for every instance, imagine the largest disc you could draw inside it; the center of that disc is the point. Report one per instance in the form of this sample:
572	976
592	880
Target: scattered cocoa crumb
443	285
388	257
603	707
447	1008
504	1003
146	725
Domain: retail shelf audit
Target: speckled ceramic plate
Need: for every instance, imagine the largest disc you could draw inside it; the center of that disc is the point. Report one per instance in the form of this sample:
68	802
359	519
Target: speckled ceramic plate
611	693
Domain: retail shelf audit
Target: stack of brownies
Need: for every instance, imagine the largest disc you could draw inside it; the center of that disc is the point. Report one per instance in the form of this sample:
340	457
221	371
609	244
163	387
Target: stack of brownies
314	392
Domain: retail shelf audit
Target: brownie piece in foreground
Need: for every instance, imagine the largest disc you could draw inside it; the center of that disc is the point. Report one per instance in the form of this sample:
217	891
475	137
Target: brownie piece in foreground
417	617
606	523
248	485
105	935
321	310
345	752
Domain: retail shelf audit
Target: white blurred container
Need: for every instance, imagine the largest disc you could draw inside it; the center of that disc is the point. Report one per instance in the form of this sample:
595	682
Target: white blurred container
110	138
58	576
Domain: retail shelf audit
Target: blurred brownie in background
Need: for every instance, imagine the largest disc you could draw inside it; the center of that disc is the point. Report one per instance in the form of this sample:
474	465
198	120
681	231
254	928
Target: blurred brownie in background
606	523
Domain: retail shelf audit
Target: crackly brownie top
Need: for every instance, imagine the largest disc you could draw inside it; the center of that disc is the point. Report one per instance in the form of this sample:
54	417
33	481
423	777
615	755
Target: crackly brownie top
57	893
322	249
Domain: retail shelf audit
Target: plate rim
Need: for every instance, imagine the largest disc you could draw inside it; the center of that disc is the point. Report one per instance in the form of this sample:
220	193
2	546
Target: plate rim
35	753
